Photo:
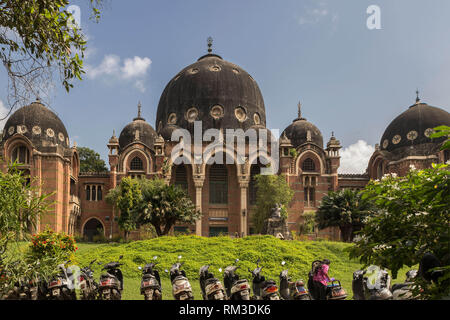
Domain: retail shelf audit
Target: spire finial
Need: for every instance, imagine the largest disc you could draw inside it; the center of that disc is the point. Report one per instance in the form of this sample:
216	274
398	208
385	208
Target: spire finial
210	42
114	132
332	133
299	110
417	96
139	109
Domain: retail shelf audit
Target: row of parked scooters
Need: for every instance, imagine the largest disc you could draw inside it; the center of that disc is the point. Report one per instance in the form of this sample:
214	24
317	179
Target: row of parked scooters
373	283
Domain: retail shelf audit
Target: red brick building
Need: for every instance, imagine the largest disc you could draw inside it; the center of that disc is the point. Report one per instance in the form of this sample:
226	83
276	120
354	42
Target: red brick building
220	95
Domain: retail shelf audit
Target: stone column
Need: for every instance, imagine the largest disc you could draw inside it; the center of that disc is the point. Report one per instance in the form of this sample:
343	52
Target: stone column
198	205
243	185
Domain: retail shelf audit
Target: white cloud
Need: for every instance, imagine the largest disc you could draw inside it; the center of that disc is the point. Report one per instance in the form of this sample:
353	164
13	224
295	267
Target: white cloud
3	112
317	14
355	158
112	68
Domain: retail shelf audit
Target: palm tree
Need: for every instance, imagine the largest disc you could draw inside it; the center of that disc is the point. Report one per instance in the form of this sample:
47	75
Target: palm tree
345	209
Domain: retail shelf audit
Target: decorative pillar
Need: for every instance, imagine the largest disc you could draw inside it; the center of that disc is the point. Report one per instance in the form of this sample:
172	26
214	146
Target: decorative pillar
244	210
198	204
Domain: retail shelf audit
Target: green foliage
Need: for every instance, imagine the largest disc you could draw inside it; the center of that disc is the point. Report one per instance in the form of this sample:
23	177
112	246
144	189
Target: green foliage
442	131
345	209
151	201
413	219
293	153
272	190
90	161
40	35
50	243
308	223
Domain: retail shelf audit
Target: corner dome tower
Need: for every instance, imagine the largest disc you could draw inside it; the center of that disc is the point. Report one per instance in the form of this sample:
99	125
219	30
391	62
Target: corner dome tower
301	131
137	131
40	125
217	92
409	133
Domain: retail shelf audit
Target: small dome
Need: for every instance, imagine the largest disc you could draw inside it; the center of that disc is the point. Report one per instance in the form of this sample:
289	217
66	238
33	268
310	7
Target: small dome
413	128
137	131
40	125
214	91
301	131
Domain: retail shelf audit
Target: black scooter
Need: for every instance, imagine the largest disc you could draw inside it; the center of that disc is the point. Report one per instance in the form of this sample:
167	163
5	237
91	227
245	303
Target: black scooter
257	281
181	288
151	281
371	284
111	282
212	288
236	289
87	283
292	290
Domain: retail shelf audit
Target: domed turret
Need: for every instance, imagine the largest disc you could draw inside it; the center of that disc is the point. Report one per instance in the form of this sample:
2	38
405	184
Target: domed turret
413	128
301	131
40	125
137	131
214	91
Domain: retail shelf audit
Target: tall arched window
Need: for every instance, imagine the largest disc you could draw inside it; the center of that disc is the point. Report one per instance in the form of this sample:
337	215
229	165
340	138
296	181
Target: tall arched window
136	164
218	184
308	165
21	154
99	193
181	177
88	193
94	194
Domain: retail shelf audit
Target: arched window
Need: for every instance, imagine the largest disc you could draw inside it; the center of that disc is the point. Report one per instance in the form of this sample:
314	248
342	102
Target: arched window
136	164
21	154
99	193
181	177
93	193
380	170
88	193
218	184
308	165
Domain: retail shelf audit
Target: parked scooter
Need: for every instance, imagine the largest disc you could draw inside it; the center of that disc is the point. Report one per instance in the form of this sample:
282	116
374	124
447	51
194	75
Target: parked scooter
111	282
371	284
62	287
257	281
151	281
88	285
334	290
181	288
236	289
292	290
212	288
403	291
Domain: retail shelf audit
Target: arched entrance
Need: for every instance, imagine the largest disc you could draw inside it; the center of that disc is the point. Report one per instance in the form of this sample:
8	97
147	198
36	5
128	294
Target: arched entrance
92	227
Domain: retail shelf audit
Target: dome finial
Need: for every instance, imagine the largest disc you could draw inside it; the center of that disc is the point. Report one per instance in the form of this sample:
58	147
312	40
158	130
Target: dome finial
210	42
299	110
139	109
417	96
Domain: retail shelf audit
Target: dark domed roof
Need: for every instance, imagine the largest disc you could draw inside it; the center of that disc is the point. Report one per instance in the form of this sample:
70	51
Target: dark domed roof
39	124
214	91
413	128
301	131
137	131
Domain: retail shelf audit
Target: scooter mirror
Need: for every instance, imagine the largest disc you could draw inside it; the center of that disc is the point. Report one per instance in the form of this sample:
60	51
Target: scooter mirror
236	261
166	271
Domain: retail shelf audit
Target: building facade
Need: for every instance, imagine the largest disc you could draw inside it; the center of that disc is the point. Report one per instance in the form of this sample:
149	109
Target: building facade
206	99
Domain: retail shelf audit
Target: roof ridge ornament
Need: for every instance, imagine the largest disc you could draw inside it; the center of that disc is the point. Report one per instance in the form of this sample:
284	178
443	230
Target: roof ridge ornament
299	106
139	116
417	96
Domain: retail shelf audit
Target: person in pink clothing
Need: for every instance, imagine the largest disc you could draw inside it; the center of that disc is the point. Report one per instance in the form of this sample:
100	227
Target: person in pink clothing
321	279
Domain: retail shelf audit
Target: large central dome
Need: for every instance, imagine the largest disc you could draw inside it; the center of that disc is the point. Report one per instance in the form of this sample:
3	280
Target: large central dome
214	91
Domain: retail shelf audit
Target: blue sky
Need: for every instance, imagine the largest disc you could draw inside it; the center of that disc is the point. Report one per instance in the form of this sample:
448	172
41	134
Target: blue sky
350	80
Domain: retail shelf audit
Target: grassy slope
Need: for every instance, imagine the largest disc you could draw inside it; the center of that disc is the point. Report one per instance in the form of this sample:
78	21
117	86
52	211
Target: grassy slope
220	252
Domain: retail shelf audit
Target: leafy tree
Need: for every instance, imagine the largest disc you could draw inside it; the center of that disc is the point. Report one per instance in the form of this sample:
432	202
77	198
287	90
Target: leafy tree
37	39
442	131
413	219
272	190
164	205
143	202
21	204
127	197
90	161
344	209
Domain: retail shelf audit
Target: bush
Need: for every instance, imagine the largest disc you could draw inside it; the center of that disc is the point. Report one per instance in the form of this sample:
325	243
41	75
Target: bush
50	243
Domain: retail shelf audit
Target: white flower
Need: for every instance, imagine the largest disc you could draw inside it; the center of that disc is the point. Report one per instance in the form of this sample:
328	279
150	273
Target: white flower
412	167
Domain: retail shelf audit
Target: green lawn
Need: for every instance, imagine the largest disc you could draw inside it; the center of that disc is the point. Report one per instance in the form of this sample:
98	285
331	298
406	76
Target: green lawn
219	252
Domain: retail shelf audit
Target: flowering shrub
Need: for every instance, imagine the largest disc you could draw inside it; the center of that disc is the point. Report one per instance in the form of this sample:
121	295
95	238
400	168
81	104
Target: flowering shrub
50	243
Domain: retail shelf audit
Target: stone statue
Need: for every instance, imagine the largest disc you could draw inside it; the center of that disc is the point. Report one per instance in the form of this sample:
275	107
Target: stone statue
276	225
276	212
